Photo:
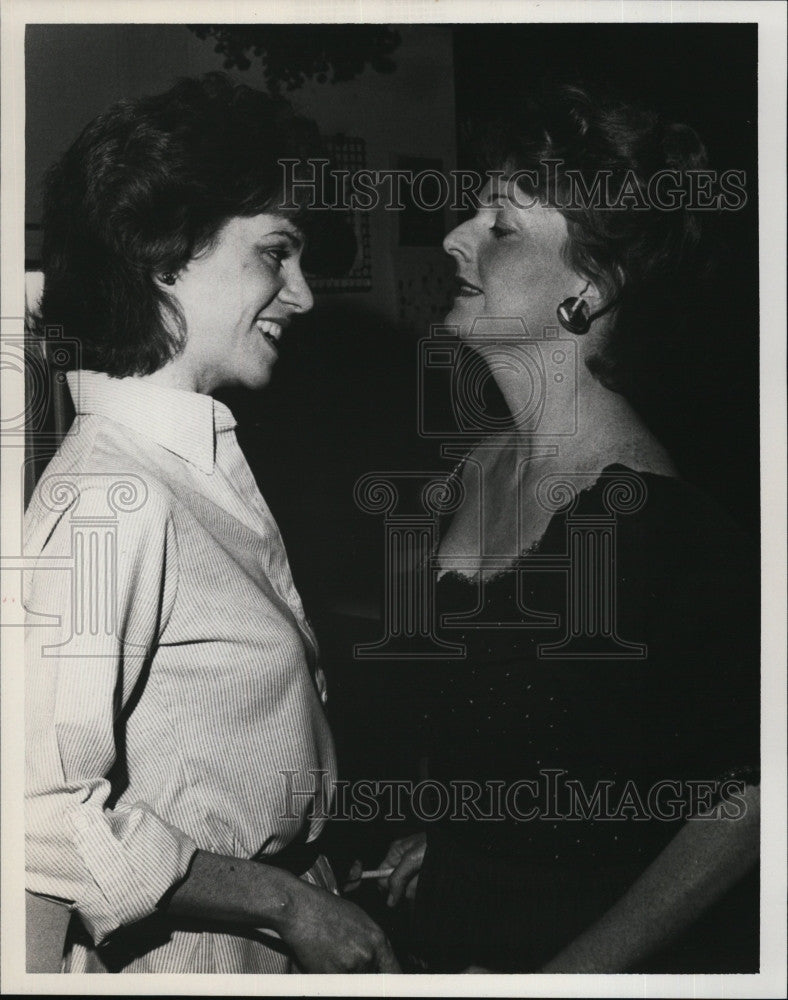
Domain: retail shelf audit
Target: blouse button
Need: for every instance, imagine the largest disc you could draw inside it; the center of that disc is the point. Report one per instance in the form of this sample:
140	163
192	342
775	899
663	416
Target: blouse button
79	820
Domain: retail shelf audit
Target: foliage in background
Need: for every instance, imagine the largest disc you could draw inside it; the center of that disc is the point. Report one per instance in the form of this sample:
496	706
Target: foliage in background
291	55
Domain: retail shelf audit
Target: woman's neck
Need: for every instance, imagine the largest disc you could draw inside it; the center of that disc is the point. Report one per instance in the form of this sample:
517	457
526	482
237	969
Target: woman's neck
178	374
589	427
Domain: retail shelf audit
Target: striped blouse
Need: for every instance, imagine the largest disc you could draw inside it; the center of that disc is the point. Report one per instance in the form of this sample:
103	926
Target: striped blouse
174	697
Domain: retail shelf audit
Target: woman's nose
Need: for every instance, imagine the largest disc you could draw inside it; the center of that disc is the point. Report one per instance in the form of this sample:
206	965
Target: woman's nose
455	243
296	292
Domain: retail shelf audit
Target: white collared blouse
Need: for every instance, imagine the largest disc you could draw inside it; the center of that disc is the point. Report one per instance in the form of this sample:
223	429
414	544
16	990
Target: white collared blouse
174	697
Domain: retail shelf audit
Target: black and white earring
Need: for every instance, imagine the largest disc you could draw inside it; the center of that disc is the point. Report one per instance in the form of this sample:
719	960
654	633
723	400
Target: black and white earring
574	315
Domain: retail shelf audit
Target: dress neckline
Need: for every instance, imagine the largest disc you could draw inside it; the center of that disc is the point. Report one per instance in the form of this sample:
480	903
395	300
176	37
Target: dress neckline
453	575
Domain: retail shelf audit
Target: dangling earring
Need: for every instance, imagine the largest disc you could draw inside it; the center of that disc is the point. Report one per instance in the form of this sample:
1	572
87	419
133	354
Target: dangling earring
574	315
168	278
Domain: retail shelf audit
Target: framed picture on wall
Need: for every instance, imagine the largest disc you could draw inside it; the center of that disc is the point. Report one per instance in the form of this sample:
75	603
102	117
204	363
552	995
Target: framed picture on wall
339	259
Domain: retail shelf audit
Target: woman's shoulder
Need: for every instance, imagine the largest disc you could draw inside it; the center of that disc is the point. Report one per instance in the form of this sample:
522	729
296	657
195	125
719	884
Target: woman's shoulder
667	535
96	474
676	505
679	544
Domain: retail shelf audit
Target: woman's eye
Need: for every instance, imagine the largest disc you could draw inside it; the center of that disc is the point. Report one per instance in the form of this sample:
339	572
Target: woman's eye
278	254
500	230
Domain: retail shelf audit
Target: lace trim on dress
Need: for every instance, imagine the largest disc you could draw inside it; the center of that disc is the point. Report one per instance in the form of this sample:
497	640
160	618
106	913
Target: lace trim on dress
535	546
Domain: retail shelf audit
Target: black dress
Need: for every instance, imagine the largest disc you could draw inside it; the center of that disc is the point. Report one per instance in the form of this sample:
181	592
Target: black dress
654	708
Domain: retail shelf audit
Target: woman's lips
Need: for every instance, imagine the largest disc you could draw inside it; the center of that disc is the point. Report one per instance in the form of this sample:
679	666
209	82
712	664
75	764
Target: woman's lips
466	290
271	331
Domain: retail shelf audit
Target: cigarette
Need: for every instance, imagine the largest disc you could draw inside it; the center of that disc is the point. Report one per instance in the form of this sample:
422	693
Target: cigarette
377	873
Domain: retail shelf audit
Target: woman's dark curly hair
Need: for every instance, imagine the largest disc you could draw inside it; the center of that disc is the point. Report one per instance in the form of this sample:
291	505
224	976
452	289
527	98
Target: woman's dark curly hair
144	188
649	259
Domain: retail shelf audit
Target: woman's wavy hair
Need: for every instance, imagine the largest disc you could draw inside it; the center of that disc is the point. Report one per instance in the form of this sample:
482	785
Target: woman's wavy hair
144	188
650	261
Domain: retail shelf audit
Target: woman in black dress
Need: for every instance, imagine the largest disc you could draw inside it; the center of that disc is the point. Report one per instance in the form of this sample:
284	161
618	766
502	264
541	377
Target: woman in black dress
598	745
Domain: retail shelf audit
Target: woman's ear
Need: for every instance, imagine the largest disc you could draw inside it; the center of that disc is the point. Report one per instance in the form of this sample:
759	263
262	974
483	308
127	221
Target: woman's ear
601	293
591	293
591	301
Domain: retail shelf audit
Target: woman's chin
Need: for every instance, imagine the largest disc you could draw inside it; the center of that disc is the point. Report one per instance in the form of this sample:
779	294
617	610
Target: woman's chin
258	380
459	318
253	379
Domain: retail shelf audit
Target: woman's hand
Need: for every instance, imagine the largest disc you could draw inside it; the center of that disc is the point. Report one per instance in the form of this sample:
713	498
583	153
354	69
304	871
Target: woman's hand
324	933
406	857
329	934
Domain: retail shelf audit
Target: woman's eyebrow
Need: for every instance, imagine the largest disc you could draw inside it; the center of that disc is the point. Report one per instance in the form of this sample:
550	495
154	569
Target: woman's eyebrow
493	199
295	236
475	201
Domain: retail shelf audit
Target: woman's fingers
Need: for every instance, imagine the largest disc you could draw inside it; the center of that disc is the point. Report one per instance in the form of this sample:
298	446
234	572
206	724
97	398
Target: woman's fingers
328	934
353	880
395	852
399	848
405	856
408	867
393	857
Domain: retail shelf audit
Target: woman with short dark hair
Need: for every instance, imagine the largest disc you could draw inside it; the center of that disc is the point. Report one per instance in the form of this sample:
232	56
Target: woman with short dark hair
599	744
176	737
144	189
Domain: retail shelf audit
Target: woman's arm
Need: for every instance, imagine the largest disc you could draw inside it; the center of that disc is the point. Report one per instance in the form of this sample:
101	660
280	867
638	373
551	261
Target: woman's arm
324	933
702	861
87	639
705	858
116	865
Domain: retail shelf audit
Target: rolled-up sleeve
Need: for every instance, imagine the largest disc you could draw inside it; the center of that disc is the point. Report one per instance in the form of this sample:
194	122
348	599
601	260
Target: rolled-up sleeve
96	602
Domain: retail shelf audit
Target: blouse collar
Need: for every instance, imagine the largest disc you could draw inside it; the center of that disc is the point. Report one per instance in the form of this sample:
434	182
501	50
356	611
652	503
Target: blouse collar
183	422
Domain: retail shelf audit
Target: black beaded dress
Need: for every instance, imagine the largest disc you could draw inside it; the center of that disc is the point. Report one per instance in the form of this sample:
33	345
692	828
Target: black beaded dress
573	745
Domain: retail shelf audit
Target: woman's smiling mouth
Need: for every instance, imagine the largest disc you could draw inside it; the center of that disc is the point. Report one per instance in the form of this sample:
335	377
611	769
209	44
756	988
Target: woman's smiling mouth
271	330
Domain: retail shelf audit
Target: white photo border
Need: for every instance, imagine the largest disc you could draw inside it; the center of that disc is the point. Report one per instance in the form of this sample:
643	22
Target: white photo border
771	20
